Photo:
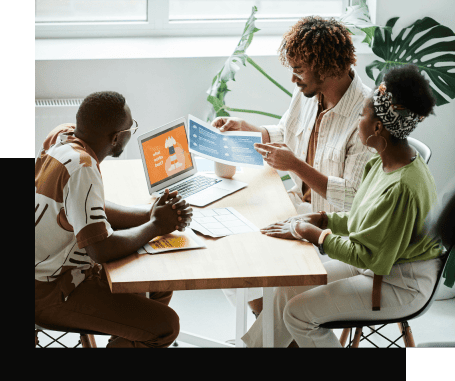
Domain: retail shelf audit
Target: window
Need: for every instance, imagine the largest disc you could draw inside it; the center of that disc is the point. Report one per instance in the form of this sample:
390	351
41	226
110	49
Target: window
122	18
73	11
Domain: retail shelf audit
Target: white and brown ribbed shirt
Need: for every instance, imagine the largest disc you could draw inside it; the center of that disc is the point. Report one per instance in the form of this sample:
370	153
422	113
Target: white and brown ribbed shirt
69	209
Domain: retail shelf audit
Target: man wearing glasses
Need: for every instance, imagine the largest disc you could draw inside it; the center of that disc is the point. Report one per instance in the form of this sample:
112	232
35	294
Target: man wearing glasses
76	231
317	139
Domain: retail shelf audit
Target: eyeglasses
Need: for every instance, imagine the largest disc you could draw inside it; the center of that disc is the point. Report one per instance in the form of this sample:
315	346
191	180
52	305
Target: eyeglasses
132	129
294	73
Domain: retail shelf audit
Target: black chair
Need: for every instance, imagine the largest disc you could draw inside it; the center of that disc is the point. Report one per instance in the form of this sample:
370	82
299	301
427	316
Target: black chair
441	224
403	325
87	338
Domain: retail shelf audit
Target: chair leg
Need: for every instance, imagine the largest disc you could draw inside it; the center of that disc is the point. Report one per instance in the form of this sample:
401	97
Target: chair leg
92	340
344	336
88	341
408	338
36	337
357	335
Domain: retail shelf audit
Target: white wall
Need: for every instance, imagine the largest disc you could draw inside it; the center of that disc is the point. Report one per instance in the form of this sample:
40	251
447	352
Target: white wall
160	90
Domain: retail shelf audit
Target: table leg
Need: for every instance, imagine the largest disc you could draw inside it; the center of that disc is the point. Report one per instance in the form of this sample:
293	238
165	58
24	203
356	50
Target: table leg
267	318
240	316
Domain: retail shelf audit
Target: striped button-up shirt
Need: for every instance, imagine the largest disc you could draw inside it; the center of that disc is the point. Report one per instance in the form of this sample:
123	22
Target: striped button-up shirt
340	154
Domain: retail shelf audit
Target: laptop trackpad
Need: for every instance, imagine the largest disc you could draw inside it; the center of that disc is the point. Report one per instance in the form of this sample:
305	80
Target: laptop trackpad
207	196
230	185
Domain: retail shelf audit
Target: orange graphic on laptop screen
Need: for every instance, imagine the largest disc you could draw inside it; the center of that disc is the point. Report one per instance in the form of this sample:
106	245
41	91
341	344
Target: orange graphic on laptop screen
167	154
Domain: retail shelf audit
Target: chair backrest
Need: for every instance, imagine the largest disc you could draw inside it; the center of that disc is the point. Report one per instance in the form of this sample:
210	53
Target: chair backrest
440	280
422	148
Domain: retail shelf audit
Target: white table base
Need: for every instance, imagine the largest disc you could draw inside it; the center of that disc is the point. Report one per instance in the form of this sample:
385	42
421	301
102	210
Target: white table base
267	318
240	323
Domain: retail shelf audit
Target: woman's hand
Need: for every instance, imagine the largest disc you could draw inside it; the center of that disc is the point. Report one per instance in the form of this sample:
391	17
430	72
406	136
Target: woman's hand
308	231
282	229
311	218
278	229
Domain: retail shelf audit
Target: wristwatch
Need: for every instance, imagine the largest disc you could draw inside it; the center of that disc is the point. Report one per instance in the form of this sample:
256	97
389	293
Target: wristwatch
324	234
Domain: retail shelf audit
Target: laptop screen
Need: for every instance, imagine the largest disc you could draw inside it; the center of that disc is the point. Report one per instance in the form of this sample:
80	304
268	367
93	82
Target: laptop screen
167	155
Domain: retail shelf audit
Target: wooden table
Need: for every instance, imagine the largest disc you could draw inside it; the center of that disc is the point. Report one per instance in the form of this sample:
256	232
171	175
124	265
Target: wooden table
237	261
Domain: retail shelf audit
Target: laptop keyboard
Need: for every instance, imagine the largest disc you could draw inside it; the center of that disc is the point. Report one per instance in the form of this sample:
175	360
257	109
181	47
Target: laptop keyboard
189	187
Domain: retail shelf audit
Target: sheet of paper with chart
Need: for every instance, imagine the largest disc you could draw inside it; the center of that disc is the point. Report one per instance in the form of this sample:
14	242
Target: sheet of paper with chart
232	148
220	222
173	241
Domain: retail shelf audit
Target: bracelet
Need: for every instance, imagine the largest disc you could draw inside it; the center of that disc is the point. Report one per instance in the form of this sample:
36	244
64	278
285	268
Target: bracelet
321	239
293	231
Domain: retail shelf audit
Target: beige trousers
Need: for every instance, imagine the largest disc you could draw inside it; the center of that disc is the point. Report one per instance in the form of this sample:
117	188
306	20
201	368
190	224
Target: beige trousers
298	311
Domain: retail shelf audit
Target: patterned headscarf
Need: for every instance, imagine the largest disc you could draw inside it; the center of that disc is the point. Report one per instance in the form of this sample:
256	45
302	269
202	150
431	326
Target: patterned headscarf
397	119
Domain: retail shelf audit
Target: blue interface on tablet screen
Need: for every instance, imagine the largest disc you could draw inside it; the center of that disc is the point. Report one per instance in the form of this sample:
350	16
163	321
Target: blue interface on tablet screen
226	147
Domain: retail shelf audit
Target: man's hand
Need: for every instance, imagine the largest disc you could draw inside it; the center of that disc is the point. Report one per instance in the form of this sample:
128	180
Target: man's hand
278	229
279	155
229	124
237	124
169	197
171	213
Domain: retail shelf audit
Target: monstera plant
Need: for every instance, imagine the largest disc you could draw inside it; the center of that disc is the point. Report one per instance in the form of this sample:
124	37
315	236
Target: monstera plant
356	18
406	48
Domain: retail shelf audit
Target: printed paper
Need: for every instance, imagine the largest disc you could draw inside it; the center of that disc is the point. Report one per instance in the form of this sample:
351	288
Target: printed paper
232	148
220	222
174	241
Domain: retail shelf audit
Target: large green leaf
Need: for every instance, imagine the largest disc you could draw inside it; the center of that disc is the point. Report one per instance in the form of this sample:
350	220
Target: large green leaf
357	20
403	50
219	88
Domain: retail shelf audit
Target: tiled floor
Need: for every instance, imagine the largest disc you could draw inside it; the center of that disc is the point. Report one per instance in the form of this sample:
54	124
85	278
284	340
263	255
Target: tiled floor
208	313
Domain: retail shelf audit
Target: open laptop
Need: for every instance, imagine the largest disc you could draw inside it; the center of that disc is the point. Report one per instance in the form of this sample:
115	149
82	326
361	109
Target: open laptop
168	163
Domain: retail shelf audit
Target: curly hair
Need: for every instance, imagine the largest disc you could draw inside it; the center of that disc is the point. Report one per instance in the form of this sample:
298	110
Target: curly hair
102	110
325	46
410	89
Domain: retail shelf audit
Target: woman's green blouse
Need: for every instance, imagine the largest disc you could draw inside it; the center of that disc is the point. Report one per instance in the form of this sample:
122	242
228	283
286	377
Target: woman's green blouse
385	220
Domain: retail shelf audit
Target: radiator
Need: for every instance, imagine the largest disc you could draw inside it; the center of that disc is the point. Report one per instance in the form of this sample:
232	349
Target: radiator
49	113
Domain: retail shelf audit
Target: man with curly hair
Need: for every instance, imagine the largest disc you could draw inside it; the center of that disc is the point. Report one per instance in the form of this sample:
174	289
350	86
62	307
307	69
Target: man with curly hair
317	139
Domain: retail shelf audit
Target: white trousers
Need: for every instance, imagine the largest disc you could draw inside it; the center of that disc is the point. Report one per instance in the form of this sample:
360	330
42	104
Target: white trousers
300	206
252	294
298	311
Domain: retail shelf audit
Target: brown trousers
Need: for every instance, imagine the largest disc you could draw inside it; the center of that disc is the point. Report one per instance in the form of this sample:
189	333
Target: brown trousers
139	322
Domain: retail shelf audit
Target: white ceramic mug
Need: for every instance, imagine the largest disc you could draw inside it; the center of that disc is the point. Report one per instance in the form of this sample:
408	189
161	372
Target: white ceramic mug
224	170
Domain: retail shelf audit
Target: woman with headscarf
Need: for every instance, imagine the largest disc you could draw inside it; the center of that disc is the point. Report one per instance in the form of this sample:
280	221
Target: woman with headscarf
385	268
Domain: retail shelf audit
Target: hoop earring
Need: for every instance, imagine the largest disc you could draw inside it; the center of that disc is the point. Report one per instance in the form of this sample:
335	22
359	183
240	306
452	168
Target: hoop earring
366	143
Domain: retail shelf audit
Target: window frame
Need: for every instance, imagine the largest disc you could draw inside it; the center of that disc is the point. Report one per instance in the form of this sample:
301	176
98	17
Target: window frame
158	25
